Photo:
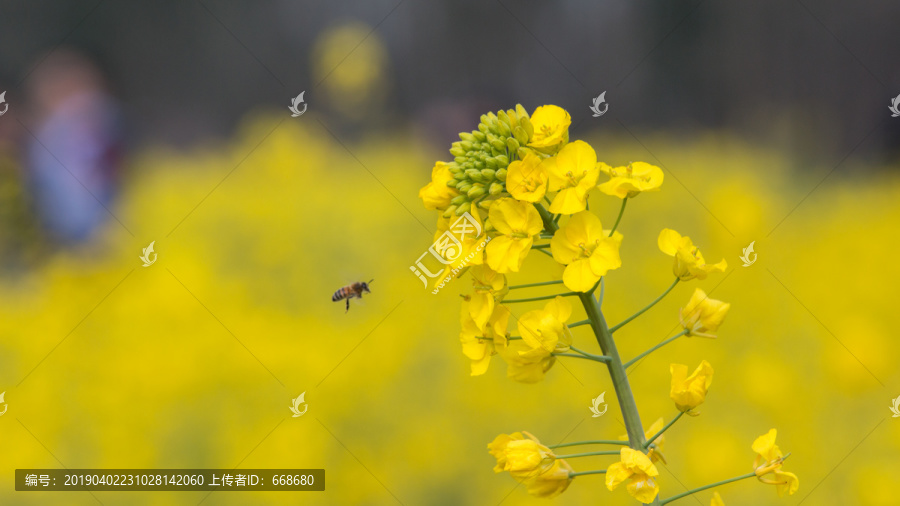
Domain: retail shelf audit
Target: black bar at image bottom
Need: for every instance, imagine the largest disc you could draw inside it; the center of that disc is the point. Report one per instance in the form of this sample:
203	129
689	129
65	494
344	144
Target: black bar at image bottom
185	480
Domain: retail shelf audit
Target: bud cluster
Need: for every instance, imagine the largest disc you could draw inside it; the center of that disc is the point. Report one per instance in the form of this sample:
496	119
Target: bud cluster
481	157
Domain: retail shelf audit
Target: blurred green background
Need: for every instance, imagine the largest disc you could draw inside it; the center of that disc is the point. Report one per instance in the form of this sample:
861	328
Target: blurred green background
193	361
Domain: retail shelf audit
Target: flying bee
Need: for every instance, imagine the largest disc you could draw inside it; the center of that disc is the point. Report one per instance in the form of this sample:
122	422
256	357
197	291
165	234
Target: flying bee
350	291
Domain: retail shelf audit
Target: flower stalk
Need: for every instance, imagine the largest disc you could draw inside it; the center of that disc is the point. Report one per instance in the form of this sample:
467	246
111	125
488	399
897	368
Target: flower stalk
658	346
642	311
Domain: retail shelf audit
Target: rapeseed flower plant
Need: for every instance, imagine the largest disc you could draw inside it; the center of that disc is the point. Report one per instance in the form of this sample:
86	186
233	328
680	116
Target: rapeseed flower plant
510	167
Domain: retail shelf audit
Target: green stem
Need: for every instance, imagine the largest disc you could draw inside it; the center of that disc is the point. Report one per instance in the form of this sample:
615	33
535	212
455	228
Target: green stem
617	373
529	285
660	433
582	473
599	358
588	454
658	346
543	297
592	442
595	358
540	246
578	324
642	311
716	484
619	218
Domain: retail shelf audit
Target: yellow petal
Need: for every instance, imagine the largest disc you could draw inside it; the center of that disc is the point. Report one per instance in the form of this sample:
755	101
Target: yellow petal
579	276
669	241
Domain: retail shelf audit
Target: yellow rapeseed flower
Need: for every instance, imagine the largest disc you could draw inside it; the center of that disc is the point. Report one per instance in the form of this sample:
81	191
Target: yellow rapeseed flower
490	287
436	195
630	180
552	479
518	223
527	179
546	328
479	341
520	453
702	315
689	263
551	128
769	460
586	250
654	453
688	392
525	364
573	173
640	472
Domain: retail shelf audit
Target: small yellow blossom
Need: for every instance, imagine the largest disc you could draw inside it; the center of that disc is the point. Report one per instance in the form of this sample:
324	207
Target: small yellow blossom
551	480
586	250
689	262
702	315
527	179
551	128
518	223
655	453
573	173
769	460
490	288
630	180
469	252
716	500
524	363
520	453
479	341
546	328
436	195
639	470
688	392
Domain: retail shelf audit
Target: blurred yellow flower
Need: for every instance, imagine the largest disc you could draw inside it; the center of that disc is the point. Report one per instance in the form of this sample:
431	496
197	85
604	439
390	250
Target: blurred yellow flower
688	392
436	195
689	263
551	128
769	460
546	328
518	222
716	500
586	250
524	363
639	470
552	479
478	341
702	315
630	180
527	179
573	173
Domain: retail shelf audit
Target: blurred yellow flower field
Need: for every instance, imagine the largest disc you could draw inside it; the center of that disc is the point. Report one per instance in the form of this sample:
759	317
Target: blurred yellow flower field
193	361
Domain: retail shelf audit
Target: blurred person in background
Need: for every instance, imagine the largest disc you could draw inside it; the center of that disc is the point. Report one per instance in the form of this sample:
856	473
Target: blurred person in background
72	158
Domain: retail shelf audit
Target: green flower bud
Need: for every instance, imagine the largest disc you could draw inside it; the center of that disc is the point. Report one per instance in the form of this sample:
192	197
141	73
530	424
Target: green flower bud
464	186
521	112
522	152
466	145
525	122
490	162
457	152
499	145
474	174
512	144
466	136
502	160
476	191
452	183
459	199
479	135
488	173
513	119
503	118
449	212
460	159
505	131
520	135
501	174
463	208
496	188
482	128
